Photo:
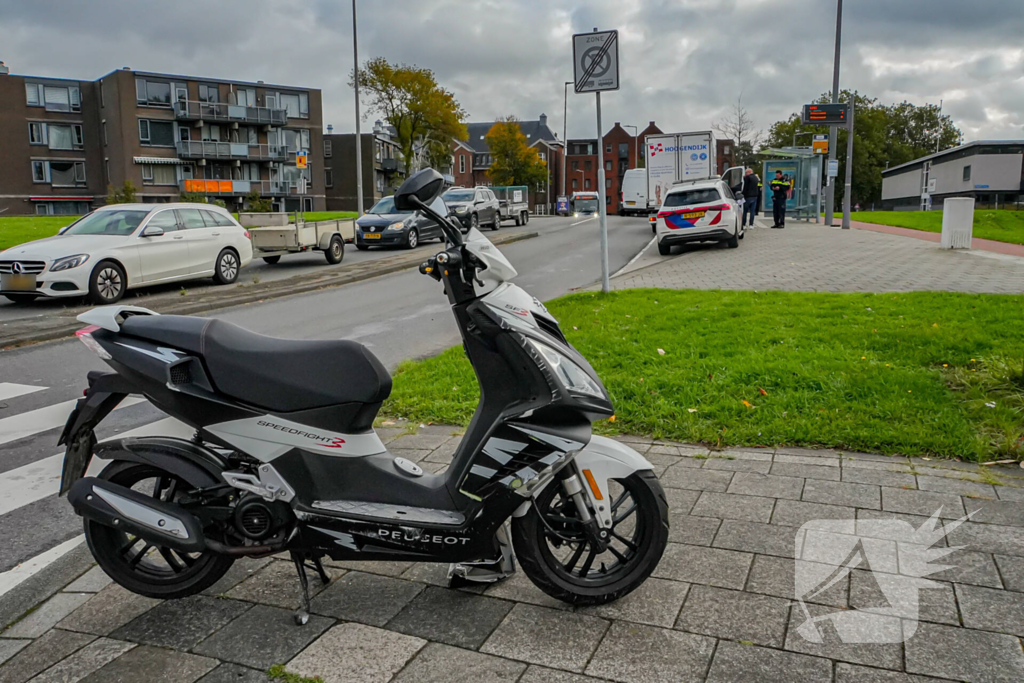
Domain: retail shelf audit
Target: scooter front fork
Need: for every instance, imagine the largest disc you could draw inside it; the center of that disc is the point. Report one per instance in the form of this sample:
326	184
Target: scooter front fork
574	490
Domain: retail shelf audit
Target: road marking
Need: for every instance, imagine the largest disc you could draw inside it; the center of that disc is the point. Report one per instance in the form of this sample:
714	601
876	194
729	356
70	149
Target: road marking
12	577
638	255
27	484
582	221
10	390
34	421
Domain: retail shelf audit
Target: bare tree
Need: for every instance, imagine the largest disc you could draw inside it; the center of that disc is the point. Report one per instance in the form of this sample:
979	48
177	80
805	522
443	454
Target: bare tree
739	127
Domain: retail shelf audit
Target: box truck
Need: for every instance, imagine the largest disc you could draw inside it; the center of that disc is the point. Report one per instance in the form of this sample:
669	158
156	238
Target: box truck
673	158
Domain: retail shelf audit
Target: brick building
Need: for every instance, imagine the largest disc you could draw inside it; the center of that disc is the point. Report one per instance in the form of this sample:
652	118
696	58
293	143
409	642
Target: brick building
382	165
622	152
471	159
63	142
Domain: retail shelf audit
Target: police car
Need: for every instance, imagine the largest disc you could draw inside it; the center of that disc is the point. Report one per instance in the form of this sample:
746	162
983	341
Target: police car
698	211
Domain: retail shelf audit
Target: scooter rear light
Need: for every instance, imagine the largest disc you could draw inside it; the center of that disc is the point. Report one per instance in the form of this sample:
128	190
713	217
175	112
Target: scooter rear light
85	336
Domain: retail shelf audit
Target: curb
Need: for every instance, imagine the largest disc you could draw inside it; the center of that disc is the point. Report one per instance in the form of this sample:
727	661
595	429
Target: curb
19	333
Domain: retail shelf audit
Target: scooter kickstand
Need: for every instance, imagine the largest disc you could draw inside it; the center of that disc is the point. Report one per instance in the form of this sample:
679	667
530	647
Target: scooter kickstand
302	615
319	566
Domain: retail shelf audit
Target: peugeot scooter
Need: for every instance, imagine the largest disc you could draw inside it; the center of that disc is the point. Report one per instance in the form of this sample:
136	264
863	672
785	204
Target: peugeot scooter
285	459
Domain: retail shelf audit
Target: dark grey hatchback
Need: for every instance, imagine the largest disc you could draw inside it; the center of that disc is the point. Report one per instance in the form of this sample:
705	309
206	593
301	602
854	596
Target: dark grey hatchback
384	225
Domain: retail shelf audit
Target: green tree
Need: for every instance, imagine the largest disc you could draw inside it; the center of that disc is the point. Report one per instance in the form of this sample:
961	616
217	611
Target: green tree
884	135
254	203
194	198
739	127
513	161
122	195
410	99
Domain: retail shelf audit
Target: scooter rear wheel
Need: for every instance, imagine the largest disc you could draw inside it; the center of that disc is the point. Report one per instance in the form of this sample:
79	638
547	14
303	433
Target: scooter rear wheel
140	566
554	552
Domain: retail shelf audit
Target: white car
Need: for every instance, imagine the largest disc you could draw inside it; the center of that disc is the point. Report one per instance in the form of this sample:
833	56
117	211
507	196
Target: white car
124	246
699	211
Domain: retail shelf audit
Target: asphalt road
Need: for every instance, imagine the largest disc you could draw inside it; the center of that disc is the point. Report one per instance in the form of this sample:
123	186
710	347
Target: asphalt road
398	316
258	271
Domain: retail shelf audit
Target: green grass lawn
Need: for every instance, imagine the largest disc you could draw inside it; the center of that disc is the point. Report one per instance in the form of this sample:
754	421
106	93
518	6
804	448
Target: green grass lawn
16	230
1001	226
313	216
898	373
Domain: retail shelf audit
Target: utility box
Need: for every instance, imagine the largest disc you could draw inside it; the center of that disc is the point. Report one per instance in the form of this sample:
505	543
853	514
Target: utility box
957	223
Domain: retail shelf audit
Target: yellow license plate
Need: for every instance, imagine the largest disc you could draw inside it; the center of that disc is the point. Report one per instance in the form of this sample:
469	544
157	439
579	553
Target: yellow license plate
18	282
631	203
690	215
371	235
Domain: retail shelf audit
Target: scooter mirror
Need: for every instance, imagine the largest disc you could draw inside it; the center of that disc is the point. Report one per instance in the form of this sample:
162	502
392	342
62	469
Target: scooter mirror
425	185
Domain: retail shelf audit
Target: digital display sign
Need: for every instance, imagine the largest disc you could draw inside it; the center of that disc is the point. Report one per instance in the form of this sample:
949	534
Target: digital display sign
826	114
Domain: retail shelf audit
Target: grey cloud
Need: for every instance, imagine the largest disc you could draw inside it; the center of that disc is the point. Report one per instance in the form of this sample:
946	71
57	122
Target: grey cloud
684	61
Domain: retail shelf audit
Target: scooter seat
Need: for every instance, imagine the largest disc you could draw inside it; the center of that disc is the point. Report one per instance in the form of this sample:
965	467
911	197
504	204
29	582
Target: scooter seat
280	375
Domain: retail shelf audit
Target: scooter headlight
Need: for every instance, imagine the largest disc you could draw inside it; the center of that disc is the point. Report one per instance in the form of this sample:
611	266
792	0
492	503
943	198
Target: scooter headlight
572	376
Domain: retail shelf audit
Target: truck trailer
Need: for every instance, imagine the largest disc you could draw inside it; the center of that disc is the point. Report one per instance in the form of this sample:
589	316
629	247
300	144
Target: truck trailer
677	157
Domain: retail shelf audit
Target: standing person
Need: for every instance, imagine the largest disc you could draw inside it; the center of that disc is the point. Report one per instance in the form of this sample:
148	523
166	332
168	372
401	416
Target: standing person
751	190
780	188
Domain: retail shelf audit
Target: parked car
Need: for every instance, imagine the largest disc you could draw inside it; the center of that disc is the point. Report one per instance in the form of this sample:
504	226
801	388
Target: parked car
473	207
698	211
633	197
384	225
124	246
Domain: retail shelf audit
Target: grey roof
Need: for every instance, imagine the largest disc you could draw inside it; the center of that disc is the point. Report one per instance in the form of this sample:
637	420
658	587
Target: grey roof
533	130
952	150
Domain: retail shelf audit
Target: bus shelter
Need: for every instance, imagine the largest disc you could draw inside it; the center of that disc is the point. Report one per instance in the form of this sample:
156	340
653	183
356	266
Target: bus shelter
803	168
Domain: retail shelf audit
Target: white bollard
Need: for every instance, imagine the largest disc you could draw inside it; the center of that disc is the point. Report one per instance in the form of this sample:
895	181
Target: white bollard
957	223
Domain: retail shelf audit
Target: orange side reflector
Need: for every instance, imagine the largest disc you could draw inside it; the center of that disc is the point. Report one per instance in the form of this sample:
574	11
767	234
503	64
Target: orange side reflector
593	485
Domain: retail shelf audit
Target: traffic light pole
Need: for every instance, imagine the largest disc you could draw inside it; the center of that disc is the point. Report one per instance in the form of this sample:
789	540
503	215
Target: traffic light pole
830	189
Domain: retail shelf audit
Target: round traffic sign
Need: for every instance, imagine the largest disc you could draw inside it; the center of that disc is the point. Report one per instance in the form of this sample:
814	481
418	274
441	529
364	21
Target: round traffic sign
603	65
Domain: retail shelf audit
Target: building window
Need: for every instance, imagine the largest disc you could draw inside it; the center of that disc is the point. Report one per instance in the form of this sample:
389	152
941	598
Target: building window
327	148
209	93
295	104
542	155
62	208
63	137
575	165
156	133
105	141
59	173
328	178
158	174
37	133
967	173
462	163
575	184
608	165
53	98
296	140
608	199
586	165
607	149
307	203
608	183
39	172
586	184
152	93
623	149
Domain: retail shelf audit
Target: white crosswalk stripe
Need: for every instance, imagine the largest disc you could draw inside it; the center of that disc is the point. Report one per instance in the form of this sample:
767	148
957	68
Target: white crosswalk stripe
42	419
9	390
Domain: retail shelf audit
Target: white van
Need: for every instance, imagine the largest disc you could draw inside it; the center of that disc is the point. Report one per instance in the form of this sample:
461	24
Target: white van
633	198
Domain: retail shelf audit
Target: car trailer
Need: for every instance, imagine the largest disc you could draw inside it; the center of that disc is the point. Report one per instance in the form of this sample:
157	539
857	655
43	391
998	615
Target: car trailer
270	242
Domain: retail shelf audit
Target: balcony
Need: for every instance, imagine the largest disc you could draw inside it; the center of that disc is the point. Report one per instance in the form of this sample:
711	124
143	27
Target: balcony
392	166
195	149
191	110
266	188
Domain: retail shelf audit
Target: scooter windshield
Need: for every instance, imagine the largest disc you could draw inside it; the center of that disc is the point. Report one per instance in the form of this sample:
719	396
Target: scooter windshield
498	268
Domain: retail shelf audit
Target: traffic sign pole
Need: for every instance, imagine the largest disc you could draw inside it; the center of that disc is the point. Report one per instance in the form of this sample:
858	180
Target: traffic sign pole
603	213
848	187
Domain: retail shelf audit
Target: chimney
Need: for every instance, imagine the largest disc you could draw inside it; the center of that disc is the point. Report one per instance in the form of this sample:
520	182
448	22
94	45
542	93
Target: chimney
543	119
616	124
4	70
652	123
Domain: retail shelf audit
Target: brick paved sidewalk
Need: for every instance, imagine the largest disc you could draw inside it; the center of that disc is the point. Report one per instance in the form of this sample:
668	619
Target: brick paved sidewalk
718	607
809	257
976	242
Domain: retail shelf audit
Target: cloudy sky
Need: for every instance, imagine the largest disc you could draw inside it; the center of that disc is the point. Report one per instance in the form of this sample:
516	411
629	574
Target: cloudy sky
682	61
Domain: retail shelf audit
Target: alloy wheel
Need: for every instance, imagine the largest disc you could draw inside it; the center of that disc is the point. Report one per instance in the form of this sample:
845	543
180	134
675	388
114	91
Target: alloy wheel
228	266
109	283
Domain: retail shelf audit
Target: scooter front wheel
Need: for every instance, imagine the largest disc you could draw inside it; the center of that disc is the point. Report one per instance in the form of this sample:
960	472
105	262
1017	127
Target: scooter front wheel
554	551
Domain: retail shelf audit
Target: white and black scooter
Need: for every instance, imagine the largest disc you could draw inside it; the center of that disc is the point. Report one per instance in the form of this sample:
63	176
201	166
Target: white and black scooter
285	458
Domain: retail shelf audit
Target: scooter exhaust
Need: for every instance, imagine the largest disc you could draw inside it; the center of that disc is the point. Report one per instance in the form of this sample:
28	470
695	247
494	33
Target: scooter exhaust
160	523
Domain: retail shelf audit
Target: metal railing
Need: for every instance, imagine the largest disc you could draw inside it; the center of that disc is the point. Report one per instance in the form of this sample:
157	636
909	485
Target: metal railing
222	111
266	188
196	149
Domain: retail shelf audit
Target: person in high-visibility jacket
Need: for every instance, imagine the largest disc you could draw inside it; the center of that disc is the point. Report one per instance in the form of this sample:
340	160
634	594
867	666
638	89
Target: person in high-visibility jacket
780	188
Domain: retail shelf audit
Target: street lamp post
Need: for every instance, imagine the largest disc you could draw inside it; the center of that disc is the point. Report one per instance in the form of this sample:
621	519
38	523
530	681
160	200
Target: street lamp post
830	188
565	119
359	138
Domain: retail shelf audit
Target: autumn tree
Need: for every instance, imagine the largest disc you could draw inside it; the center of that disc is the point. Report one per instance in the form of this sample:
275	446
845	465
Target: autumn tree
426	116
739	127
513	161
884	135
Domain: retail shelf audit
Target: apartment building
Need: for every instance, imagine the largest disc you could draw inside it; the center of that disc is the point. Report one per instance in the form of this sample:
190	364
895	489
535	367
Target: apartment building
382	166
63	143
471	159
622	151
